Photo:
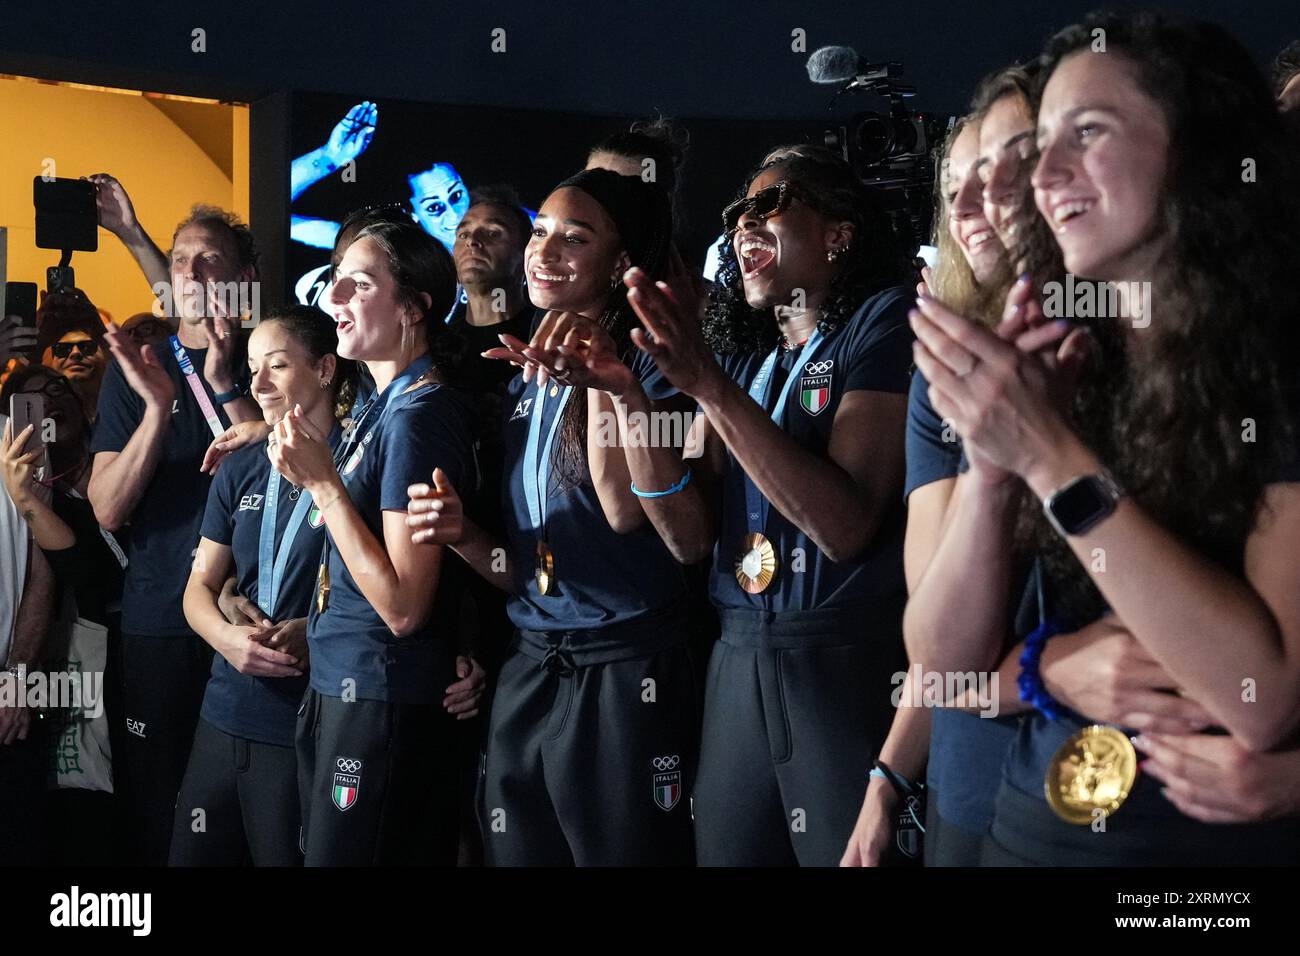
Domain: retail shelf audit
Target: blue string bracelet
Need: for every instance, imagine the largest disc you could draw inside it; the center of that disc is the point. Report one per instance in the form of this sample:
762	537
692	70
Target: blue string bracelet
686	480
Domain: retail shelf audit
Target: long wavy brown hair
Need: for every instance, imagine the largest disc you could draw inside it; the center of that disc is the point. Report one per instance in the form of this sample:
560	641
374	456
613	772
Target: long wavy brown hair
953	281
1168	408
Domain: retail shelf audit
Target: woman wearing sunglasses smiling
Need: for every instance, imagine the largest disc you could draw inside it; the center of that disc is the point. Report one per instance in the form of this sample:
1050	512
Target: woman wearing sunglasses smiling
801	429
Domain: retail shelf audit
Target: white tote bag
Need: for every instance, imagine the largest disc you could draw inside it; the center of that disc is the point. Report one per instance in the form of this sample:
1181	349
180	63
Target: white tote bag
80	756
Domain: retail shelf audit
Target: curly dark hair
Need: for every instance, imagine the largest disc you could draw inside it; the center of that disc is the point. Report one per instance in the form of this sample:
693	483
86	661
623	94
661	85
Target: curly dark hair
1165	409
876	257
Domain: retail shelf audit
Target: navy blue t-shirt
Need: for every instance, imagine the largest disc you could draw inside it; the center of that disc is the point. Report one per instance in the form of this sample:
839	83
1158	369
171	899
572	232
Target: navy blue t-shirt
872	351
933	450
603	577
243	705
964	748
1147	828
430	427
165	524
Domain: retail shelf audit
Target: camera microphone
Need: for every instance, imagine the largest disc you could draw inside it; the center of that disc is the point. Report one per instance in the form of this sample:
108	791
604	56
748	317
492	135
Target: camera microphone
833	64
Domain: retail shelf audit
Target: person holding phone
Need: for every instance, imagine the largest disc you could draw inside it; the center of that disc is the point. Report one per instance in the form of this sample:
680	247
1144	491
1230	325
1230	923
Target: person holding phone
17	327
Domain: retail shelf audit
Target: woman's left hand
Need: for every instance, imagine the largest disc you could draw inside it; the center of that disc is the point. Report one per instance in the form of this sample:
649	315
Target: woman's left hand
1215	779
579	352
300	453
999	398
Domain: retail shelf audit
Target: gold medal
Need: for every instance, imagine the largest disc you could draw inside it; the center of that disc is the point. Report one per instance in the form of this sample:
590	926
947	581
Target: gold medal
545	569
756	566
322	590
1093	770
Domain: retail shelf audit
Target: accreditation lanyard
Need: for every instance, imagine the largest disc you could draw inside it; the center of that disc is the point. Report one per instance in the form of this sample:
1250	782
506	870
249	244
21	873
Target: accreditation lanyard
377	405
196	386
760	389
270	562
537	469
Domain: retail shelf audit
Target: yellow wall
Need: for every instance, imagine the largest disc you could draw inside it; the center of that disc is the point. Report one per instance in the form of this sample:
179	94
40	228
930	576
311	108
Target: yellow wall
86	132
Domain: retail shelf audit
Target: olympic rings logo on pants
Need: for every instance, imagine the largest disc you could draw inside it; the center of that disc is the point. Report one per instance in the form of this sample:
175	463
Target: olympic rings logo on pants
348	766
667	763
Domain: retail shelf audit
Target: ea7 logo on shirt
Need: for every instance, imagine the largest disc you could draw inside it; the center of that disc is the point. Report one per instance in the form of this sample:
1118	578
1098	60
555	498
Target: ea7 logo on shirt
815	387
521	410
667	782
250	503
135	727
347	782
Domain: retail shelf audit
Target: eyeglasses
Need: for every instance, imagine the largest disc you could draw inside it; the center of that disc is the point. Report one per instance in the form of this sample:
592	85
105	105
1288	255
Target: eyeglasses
87	348
55	388
767	202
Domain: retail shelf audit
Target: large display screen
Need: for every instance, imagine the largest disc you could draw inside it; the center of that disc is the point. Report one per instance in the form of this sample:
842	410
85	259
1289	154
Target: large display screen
349	153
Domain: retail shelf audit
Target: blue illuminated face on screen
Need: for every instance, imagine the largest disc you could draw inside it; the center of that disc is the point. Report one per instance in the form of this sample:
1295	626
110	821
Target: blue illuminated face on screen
439	199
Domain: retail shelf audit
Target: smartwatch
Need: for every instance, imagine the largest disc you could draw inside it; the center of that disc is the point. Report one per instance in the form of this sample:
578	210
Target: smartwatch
1083	503
229	396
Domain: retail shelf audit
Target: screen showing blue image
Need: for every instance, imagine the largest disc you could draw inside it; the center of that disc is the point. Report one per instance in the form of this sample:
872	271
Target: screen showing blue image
351	152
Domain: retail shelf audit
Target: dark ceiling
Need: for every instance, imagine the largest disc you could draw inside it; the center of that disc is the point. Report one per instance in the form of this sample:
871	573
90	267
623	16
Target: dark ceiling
688	59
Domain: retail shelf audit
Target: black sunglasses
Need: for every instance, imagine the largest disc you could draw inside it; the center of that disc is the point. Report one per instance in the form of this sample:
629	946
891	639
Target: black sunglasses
767	202
87	348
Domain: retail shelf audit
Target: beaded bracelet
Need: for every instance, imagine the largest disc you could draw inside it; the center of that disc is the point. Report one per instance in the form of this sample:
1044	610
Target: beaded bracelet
1030	681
